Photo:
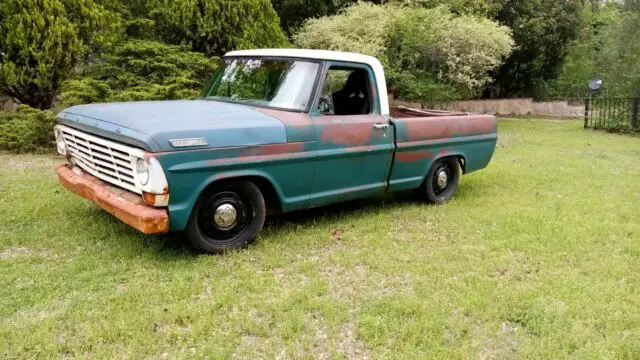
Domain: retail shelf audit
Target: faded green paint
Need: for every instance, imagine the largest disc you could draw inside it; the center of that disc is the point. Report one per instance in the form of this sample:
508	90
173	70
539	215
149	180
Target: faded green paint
333	158
309	159
189	173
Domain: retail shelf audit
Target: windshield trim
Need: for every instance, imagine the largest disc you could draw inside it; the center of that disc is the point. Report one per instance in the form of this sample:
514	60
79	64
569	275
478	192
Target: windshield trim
245	103
312	97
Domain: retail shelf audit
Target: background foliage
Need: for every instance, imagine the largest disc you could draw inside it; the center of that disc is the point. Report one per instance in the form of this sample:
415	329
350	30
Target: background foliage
42	41
26	130
142	70
55	53
214	27
427	53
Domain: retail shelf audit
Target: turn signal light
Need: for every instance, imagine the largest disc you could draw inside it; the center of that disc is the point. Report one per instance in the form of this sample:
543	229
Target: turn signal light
157	200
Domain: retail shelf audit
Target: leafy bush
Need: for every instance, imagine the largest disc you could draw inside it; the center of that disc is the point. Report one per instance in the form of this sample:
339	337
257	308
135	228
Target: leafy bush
43	41
142	70
214	27
608	49
429	54
457	51
619	59
26	130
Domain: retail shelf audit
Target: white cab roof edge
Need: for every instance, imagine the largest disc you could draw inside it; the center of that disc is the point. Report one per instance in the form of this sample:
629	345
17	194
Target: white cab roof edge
375	65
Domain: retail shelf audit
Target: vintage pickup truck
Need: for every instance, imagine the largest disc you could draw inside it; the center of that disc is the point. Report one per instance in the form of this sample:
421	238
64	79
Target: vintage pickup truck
276	131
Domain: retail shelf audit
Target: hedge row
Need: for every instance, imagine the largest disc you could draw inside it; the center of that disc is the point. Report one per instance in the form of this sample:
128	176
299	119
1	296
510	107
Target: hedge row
27	130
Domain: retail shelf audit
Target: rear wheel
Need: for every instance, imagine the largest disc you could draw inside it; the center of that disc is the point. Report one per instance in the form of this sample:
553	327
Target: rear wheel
227	217
442	181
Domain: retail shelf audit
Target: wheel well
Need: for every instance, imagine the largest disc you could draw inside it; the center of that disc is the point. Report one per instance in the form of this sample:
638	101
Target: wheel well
271	199
463	163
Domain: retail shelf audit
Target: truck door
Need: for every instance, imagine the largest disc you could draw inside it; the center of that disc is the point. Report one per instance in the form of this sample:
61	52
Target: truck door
354	141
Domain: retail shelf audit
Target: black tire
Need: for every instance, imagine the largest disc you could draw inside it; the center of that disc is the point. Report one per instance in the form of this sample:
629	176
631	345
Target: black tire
205	232
433	190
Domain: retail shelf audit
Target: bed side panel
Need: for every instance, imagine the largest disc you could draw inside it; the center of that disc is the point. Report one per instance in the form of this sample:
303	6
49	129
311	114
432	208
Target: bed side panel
423	140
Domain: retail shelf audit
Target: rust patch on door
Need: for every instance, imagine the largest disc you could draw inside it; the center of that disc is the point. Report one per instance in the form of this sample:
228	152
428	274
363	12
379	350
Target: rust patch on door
413	156
348	134
273	149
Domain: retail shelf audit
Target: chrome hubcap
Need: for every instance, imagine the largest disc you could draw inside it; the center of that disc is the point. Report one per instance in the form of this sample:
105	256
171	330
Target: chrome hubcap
442	179
225	216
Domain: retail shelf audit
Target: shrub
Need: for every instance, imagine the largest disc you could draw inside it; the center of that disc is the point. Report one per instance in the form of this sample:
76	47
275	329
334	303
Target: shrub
27	130
43	41
429	54
214	27
142	70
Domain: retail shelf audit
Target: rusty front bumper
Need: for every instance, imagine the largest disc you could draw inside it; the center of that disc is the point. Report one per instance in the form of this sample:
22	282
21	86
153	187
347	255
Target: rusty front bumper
122	204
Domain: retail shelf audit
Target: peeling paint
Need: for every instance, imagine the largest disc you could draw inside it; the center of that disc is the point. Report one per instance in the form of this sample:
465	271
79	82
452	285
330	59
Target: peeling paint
299	126
289	118
274	149
263	153
413	156
358	131
447	127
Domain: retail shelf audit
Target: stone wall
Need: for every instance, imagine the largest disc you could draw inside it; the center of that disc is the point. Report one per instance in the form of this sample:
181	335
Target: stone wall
7	104
510	107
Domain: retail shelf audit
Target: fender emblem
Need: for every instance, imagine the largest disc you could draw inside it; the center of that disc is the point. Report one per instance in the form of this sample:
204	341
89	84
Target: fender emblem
180	143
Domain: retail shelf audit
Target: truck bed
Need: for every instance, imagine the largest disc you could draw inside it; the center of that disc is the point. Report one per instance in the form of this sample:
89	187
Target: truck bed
404	112
424	136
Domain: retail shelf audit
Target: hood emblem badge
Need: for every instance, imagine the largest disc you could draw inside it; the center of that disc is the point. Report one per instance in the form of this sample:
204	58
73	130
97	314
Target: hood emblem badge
180	143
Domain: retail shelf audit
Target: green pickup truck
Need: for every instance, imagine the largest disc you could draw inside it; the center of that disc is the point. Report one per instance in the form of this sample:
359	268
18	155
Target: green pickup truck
276	131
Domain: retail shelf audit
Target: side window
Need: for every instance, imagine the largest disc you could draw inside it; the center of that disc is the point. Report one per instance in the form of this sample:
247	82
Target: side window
346	91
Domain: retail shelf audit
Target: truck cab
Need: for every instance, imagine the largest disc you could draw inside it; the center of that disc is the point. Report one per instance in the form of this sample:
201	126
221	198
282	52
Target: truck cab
278	130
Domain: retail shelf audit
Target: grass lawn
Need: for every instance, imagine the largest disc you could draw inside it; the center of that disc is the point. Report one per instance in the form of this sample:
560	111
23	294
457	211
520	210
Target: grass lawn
537	256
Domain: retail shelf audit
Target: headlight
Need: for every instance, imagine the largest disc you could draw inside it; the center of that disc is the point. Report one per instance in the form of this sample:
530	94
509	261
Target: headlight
142	169
153	182
60	144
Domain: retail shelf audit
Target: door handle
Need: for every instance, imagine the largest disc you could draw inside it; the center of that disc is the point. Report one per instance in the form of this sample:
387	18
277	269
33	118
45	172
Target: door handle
381	126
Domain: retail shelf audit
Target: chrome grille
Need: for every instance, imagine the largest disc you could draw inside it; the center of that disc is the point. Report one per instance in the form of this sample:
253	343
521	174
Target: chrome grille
104	159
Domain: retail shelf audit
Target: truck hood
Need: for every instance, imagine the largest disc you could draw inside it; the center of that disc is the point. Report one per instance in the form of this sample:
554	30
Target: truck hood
151	124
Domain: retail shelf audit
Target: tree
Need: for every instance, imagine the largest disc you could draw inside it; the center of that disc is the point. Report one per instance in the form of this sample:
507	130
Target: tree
142	70
619	59
214	27
486	8
542	30
582	61
429	54
293	13
42	41
632	5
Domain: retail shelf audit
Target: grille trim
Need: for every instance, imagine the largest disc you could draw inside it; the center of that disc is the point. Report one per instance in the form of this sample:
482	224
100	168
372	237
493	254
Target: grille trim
107	160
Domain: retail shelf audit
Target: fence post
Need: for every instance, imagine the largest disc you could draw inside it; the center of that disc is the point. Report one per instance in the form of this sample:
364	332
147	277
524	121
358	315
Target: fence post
587	102
634	112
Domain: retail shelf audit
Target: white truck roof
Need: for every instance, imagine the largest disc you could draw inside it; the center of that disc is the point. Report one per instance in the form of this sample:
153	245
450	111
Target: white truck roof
374	63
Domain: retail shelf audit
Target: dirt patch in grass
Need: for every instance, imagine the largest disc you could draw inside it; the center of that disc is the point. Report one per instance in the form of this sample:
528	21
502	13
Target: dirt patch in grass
14	252
350	346
504	345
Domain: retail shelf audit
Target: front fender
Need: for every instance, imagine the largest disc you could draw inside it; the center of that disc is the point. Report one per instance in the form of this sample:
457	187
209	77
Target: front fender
180	210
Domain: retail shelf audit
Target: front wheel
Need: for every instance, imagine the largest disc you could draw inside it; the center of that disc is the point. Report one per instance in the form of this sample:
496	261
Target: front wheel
227	217
442	181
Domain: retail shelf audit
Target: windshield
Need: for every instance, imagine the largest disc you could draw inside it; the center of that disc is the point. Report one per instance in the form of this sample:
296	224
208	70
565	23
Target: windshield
278	83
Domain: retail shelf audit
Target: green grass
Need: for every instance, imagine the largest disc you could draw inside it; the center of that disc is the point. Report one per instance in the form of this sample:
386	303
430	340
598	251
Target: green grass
538	256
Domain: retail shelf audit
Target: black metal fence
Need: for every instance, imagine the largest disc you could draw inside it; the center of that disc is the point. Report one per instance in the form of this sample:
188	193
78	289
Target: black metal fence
615	114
